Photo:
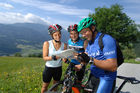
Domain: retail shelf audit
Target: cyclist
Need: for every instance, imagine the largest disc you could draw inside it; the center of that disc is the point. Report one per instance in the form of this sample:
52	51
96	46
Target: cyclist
104	67
53	66
79	45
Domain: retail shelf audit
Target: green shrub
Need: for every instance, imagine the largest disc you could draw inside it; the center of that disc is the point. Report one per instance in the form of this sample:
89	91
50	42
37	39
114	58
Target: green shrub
129	53
17	55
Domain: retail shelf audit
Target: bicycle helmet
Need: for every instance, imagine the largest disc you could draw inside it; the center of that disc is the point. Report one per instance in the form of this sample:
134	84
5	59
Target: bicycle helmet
72	28
53	28
86	23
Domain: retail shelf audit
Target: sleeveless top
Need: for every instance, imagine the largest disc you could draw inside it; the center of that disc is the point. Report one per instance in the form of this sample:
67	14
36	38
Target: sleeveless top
53	51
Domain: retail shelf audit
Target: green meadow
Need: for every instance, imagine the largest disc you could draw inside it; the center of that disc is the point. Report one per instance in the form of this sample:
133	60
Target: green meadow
23	74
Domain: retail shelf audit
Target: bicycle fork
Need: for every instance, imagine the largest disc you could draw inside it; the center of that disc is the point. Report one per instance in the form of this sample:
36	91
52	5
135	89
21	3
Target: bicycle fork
121	86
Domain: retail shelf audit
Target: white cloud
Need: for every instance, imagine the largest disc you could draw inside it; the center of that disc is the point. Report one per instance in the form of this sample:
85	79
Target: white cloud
10	18
59	8
63	23
6	6
67	1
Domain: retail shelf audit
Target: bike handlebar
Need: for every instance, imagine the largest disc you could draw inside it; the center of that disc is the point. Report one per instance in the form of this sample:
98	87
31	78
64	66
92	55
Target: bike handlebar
132	80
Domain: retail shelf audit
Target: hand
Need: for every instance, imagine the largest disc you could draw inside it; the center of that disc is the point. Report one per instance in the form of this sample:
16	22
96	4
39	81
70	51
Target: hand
67	61
83	57
75	54
64	59
57	57
78	67
75	57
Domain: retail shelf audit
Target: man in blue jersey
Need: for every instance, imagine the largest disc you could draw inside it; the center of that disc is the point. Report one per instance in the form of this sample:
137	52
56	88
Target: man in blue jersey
104	67
79	46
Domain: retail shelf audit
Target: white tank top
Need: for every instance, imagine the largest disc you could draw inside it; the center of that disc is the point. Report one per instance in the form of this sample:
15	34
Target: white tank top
52	51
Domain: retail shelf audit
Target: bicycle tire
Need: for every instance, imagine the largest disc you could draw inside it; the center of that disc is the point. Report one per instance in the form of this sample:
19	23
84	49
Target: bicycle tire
59	90
59	86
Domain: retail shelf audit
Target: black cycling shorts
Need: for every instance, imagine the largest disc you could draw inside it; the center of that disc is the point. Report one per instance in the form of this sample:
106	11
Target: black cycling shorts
52	72
80	74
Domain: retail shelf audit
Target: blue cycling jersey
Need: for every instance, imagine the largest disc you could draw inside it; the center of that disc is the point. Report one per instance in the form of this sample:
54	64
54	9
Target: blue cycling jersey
78	46
109	51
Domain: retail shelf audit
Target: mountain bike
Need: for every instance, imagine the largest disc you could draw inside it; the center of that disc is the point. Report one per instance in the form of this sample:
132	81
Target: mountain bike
131	80
69	84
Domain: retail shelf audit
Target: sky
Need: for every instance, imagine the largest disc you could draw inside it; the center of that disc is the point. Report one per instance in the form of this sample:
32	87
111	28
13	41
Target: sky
63	12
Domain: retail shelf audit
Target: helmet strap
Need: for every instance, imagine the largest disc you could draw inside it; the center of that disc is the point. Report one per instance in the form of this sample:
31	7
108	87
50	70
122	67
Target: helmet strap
93	33
56	41
75	40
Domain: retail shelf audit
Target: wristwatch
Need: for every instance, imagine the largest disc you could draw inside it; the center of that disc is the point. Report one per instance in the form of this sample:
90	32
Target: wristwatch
81	65
54	57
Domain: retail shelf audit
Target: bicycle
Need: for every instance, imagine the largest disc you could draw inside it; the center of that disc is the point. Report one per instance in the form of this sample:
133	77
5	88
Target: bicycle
131	80
68	82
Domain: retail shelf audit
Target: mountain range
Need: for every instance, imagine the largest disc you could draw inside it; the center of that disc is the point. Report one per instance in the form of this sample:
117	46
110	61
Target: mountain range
25	38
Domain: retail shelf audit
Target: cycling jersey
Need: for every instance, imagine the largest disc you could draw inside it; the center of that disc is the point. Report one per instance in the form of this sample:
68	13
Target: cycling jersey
109	51
78	46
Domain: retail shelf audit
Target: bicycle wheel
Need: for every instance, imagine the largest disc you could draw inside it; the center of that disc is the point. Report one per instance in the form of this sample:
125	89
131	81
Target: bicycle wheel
59	87
63	89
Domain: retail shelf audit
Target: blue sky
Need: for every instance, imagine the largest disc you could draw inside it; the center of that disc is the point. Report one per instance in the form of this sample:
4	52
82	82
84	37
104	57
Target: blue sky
63	12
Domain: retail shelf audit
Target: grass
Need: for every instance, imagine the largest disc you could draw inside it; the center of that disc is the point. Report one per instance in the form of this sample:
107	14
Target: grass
24	75
27	49
131	61
21	75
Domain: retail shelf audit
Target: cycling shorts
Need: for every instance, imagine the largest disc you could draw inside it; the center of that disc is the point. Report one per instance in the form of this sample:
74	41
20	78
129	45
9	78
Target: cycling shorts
80	73
101	85
52	72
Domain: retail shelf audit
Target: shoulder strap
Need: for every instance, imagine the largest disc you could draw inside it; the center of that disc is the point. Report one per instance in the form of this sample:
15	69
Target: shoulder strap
100	41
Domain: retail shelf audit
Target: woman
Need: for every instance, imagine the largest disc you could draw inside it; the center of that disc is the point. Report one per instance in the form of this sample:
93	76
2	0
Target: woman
53	66
79	45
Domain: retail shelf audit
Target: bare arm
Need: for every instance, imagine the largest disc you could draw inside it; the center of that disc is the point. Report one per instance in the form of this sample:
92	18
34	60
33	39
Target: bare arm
46	51
109	64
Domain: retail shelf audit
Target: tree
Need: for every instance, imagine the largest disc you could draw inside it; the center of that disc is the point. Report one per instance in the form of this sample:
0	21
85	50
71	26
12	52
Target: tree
116	23
18	54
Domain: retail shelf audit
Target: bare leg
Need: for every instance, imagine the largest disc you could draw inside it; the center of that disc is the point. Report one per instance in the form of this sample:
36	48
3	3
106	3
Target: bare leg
44	87
54	82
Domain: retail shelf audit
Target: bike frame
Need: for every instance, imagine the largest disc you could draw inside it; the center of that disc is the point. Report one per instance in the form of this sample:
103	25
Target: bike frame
131	80
68	81
70	78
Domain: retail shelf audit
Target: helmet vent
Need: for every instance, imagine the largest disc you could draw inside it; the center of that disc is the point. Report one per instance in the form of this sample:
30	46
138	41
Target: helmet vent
85	24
